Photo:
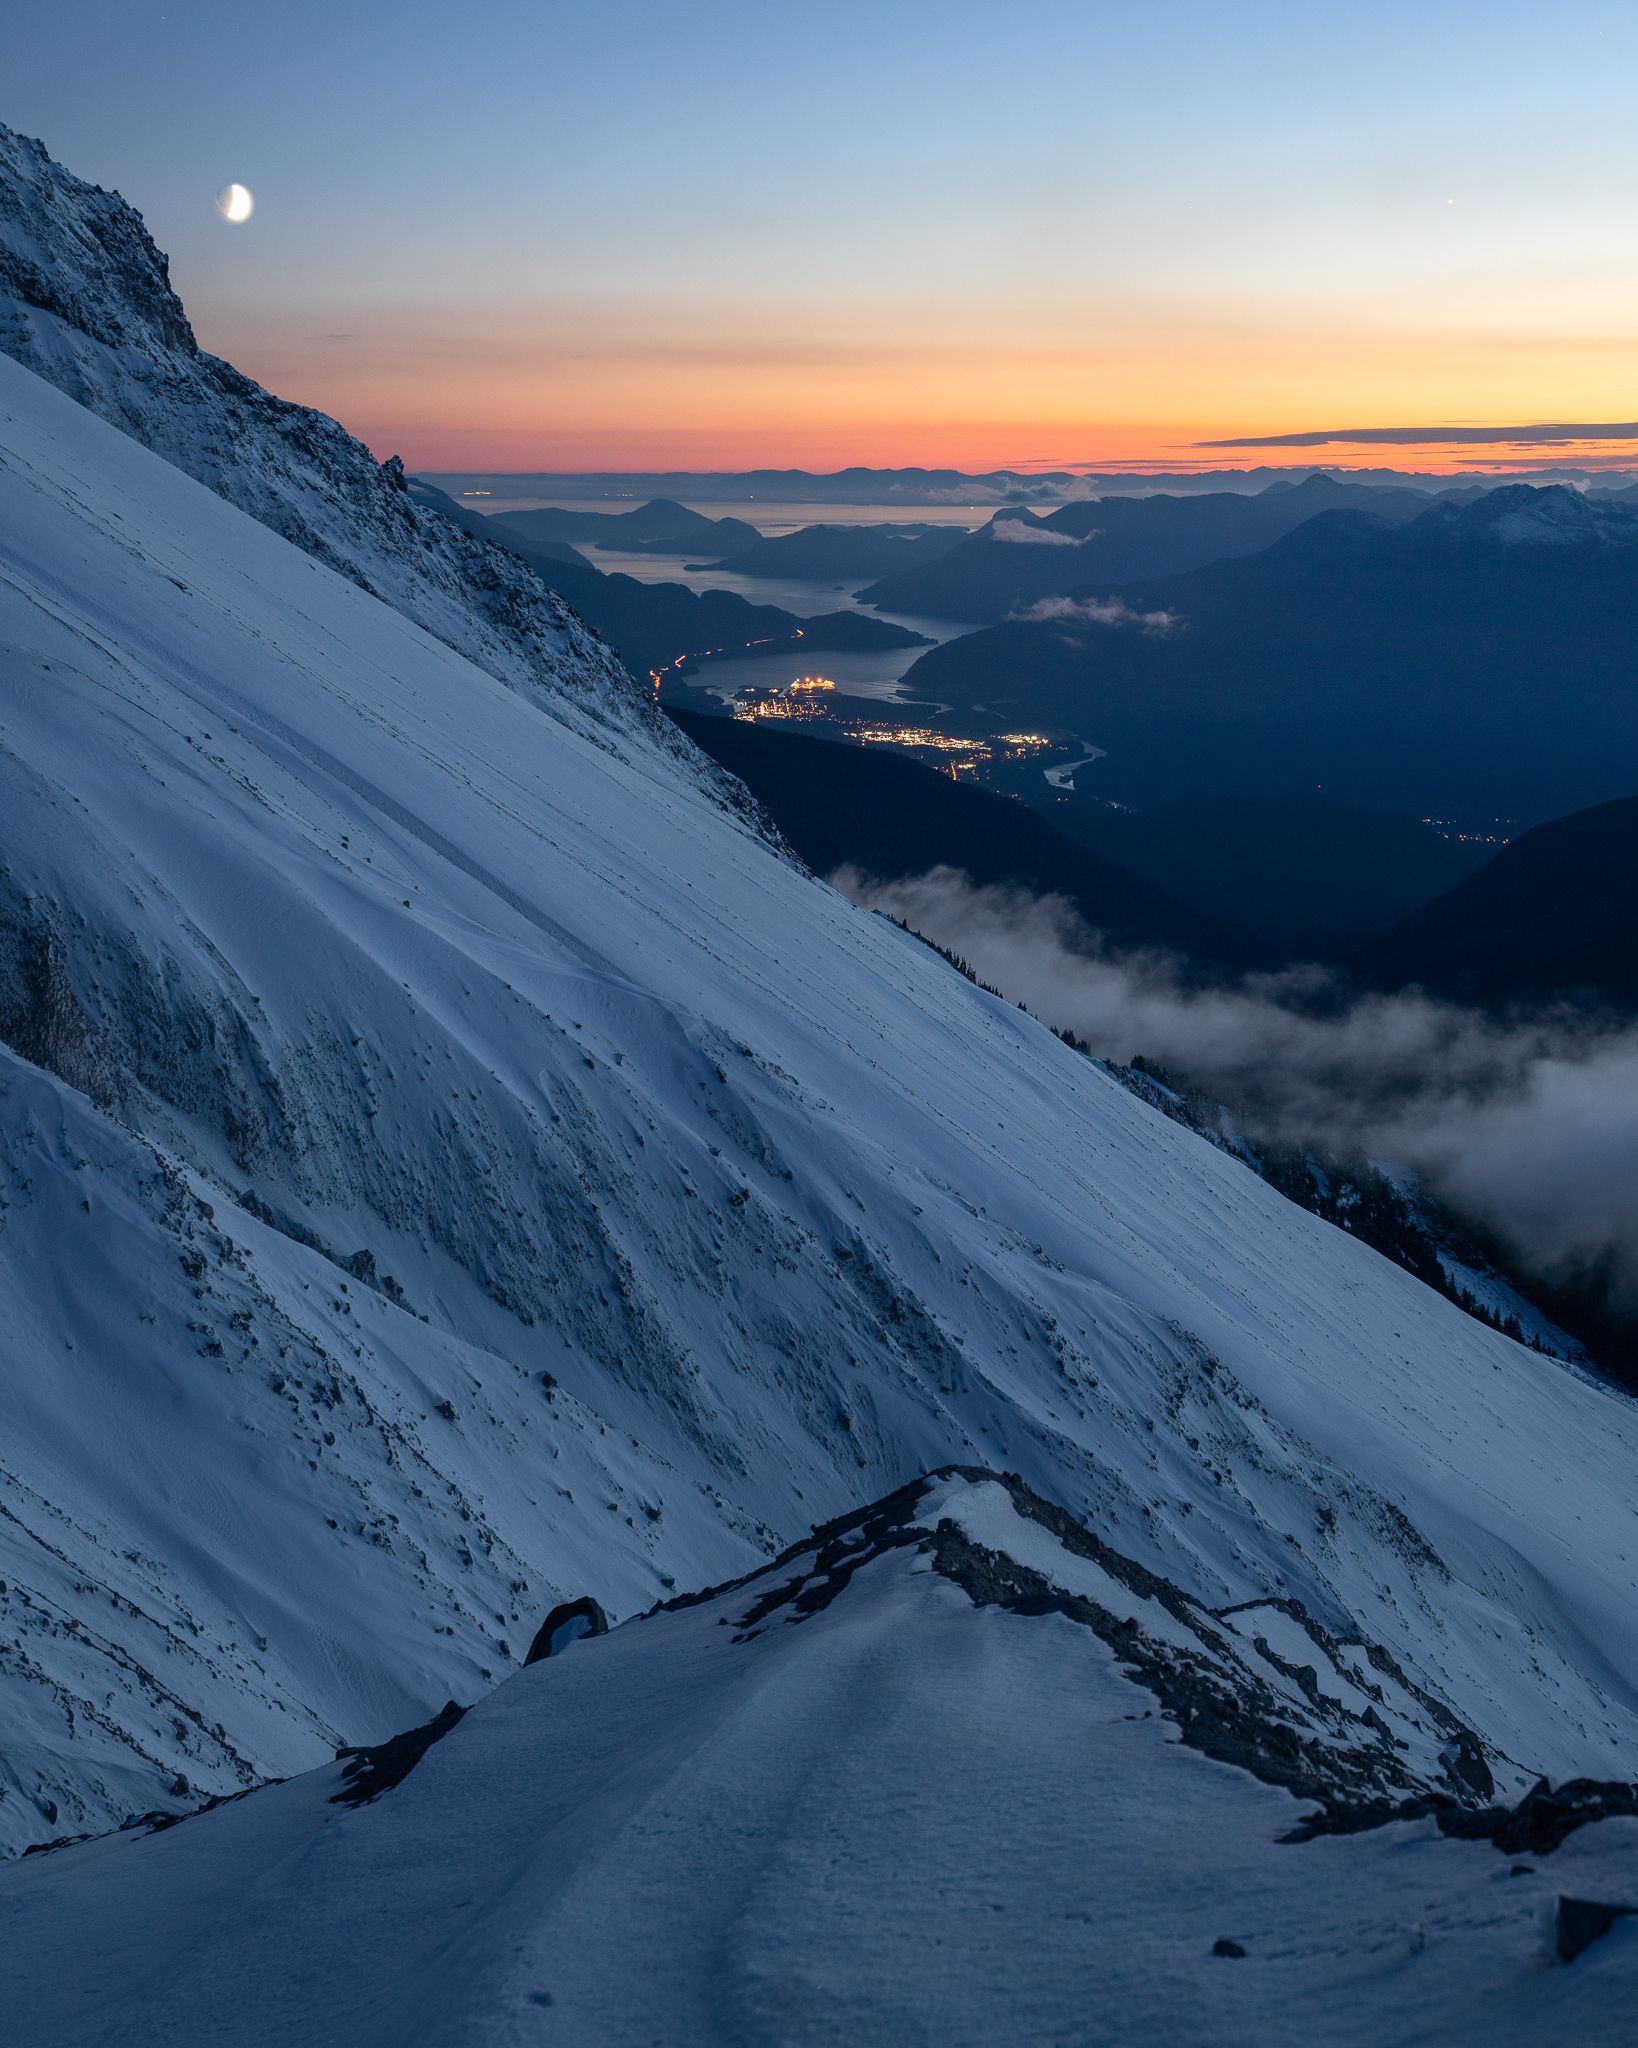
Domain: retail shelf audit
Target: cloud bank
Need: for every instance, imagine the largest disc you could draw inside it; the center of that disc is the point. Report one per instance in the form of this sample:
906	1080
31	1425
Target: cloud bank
1529	1127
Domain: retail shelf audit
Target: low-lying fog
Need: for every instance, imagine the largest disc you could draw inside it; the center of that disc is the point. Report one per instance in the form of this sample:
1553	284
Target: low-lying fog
1528	1124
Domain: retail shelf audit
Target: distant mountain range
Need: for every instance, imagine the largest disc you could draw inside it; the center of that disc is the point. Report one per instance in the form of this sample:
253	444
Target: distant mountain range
1555	913
653	625
1019	558
1479	660
880	811
912	487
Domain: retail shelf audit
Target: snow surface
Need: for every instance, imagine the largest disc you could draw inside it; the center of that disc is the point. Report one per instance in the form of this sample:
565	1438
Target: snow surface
902	1819
325	956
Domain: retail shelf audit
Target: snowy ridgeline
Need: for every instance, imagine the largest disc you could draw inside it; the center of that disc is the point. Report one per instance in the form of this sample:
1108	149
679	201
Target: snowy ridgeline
954	1774
86	302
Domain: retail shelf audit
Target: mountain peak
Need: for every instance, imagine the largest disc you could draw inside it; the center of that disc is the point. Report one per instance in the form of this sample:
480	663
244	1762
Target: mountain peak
83	256
1533	516
86	304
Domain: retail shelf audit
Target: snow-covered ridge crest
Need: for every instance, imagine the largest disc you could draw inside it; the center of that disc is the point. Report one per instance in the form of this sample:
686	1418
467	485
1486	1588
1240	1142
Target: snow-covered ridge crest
86	302
1259	1684
949	1771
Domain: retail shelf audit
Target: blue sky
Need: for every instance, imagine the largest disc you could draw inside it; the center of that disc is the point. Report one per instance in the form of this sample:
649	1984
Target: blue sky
631	232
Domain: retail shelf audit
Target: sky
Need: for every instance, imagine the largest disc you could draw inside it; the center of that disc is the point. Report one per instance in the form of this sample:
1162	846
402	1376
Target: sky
701	234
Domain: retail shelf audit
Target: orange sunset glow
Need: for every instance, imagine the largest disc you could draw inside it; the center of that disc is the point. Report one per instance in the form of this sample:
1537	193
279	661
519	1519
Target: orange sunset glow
570	387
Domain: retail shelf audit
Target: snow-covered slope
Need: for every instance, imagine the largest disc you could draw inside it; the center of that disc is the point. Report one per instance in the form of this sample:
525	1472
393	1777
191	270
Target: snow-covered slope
448	1160
380	1043
954	1773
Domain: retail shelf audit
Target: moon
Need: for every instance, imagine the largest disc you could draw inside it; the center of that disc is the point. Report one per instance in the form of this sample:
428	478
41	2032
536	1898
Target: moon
234	203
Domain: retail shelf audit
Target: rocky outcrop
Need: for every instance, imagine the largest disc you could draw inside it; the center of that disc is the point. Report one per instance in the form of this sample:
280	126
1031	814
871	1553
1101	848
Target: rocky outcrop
86	302
567	1623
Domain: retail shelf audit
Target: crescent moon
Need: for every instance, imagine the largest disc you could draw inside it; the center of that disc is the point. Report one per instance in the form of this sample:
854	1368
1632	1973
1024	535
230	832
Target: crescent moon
234	203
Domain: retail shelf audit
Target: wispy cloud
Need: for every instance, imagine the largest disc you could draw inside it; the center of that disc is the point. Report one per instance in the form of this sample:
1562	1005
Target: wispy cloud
1094	611
1020	533
1540	435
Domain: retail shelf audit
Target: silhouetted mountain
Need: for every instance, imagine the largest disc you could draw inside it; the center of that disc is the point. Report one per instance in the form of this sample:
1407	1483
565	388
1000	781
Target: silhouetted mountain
892	489
868	807
1018	558
845	553
1555	913
1307	876
1480	660
664	527
661	526
654	625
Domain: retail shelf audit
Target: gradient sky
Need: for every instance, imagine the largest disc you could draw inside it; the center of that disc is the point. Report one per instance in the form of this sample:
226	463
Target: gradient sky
655	233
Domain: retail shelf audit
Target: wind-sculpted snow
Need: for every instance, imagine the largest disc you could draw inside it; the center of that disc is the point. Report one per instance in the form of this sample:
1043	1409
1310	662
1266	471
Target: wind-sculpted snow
451	1166
86	302
951	1771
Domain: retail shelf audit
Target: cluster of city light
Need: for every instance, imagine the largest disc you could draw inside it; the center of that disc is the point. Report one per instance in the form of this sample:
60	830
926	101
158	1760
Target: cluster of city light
800	698
962	757
1447	828
918	736
803	697
749	709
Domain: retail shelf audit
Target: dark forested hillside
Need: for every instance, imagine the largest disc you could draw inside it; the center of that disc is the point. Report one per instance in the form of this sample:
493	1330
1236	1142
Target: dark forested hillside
882	812
1555	913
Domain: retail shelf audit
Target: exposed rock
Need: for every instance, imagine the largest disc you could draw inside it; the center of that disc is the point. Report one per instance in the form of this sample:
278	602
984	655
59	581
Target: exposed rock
1536	1826
566	1624
370	1772
1231	1694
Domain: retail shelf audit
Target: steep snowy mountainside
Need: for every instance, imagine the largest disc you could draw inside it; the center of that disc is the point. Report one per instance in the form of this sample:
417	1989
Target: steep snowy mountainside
951	1772
594	1198
86	302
